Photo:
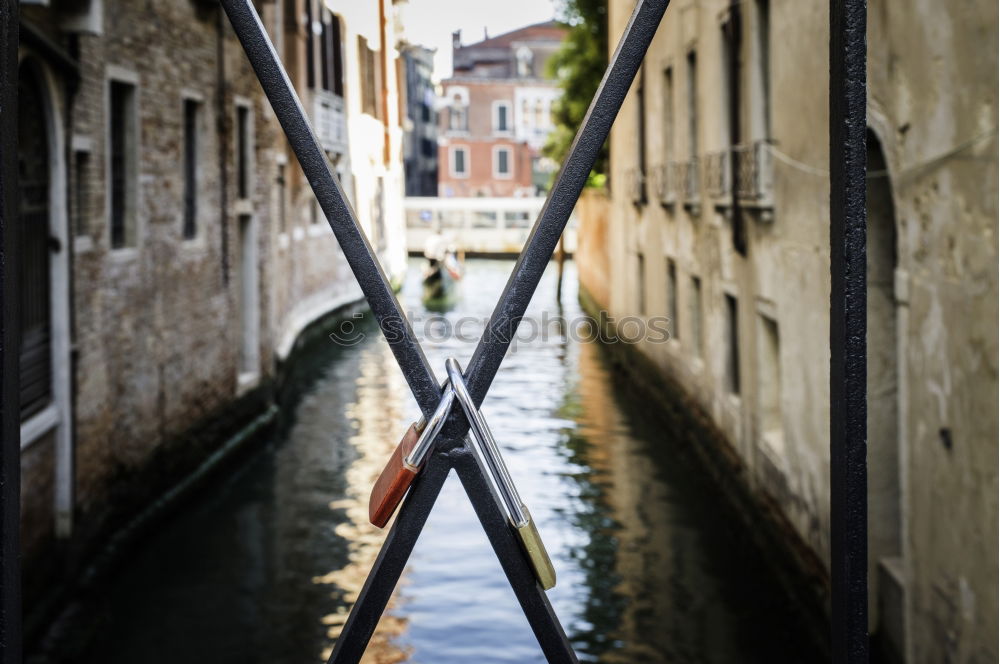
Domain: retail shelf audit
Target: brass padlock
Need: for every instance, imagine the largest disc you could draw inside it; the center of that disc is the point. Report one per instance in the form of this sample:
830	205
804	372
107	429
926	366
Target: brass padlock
405	462
518	514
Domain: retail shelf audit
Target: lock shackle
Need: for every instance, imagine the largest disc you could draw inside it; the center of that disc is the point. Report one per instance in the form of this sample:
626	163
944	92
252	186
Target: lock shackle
491	452
429	430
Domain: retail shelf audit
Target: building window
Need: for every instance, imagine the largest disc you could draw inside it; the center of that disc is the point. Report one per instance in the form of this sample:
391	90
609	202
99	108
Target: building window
641	290
501	116
369	78
730	81
249	295
668	115
692	104
763	30
331	52
123	150
525	61
769	377
244	142
282	199
310	46
732	345
428	147
378	214
695	315
190	167
502	167
460	162
458	119
672	307
539	114
81	193
640	99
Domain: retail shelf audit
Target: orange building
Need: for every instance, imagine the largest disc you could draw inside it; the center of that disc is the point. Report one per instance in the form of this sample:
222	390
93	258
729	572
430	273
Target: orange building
496	114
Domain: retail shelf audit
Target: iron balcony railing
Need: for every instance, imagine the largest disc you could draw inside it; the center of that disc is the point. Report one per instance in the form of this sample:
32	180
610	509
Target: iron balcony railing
691	184
636	183
718	175
754	183
666	184
329	120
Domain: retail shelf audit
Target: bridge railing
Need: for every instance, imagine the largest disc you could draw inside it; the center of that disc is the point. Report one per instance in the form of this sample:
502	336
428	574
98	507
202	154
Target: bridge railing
481	226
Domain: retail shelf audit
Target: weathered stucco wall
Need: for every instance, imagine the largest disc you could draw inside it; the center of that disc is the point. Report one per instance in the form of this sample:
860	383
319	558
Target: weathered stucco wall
933	72
932	286
592	255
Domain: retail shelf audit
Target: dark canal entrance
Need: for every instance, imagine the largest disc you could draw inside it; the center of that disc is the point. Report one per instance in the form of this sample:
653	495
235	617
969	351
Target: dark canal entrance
265	566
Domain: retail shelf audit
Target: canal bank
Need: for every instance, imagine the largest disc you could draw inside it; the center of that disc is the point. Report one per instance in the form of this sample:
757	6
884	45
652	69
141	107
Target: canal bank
266	563
795	566
56	620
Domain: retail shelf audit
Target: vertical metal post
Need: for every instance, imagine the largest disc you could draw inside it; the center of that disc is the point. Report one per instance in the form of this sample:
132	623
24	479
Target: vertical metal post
10	417
848	326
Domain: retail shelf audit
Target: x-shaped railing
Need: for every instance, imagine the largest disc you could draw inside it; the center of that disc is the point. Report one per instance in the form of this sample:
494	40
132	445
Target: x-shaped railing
481	369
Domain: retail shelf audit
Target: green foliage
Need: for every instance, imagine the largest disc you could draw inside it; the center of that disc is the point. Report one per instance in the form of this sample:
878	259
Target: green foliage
578	66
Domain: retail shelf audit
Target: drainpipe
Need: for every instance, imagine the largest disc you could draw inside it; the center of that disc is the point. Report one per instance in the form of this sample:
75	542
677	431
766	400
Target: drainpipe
735	88
383	67
221	130
71	232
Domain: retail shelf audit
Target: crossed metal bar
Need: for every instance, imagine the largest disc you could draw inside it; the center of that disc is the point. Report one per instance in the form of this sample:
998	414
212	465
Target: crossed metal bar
480	371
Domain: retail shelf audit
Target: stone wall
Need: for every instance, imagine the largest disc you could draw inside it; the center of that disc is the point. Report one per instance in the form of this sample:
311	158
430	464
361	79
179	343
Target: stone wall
173	341
932	261
592	245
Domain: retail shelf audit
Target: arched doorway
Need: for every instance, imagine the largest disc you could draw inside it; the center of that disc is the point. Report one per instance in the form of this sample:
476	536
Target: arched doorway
44	371
35	362
884	483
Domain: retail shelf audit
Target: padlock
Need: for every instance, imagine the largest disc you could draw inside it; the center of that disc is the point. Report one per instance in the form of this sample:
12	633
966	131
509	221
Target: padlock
518	514
406	461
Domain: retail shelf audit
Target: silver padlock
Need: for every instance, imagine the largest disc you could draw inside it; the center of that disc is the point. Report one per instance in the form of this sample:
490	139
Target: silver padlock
518	514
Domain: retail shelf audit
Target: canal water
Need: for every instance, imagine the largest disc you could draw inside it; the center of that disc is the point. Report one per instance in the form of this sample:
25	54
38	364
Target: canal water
265	566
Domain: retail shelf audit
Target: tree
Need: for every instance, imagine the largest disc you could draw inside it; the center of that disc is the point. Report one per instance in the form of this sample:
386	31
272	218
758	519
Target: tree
578	66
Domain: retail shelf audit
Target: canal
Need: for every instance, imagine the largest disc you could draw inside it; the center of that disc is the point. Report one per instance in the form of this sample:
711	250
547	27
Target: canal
264	566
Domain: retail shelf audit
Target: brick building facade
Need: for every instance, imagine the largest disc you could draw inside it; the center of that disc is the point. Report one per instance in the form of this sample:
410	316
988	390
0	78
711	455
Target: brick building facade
495	113
173	251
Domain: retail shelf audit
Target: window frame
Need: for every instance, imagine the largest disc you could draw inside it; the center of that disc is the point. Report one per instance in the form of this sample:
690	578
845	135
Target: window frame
452	150
244	137
120	76
495	114
668	113
509	175
673	297
199	142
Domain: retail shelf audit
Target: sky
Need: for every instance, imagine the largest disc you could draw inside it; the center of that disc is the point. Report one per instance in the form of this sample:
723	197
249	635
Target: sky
431	22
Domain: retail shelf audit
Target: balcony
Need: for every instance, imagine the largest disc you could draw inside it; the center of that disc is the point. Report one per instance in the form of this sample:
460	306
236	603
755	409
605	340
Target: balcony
636	183
718	174
329	121
691	185
666	184
754	175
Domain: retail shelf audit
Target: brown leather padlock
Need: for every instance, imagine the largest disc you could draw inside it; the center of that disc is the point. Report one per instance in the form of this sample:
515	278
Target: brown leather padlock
395	479
405	462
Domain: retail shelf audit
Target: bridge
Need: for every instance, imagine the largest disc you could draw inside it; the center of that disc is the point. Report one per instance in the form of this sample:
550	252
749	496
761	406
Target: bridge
479	226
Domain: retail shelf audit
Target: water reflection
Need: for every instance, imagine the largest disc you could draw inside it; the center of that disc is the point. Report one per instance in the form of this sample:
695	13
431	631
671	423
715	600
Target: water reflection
374	415
266	567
